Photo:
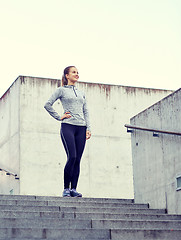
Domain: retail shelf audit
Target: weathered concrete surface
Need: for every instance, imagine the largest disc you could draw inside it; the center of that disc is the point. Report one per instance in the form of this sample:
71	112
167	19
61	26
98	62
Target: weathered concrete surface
9	139
157	161
106	169
33	217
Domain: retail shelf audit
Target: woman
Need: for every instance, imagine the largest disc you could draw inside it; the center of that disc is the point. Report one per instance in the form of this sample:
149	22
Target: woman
75	127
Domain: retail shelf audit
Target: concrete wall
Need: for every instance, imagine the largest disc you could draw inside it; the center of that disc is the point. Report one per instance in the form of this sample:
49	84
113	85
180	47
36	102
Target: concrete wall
41	154
157	160
9	139
106	169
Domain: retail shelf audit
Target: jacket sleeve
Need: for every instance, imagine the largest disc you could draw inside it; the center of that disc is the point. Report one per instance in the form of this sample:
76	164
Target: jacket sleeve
48	105
86	114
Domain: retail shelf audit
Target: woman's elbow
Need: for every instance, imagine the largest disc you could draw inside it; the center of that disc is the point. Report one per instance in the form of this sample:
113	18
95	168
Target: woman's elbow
46	105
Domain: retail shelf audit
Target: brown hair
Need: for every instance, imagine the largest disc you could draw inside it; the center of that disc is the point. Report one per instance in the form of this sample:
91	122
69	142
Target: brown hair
64	79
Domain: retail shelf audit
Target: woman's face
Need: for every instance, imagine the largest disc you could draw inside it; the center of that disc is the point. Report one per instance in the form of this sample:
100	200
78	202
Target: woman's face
73	75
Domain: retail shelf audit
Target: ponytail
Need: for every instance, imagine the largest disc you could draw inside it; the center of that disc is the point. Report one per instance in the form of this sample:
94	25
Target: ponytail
64	79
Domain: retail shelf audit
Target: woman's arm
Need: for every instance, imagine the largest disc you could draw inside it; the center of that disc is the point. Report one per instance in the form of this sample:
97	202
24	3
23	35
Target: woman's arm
86	116
48	105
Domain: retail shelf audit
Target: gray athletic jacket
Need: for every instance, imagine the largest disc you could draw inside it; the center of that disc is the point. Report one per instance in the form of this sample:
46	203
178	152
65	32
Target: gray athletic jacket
73	101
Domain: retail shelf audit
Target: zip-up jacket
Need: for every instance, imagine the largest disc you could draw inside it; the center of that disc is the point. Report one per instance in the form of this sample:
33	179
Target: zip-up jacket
73	101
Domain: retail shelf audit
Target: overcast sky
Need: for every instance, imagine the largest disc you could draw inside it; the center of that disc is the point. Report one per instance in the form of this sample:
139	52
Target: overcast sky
124	42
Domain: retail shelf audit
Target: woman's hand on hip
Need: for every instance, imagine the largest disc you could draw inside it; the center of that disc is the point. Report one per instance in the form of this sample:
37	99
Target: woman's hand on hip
66	115
88	134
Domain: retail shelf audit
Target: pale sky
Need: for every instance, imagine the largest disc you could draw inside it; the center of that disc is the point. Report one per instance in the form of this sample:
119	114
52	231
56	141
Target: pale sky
124	42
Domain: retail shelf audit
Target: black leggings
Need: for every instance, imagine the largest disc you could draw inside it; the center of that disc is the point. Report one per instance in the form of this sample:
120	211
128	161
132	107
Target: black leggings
73	138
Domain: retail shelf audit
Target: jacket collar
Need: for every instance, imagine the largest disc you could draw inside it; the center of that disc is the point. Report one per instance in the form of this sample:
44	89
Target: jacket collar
70	86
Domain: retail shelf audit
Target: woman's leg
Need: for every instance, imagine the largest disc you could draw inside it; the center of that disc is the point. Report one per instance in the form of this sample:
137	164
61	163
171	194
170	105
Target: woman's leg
68	139
80	139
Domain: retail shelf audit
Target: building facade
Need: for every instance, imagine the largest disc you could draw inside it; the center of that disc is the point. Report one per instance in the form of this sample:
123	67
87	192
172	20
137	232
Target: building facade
157	160
30	144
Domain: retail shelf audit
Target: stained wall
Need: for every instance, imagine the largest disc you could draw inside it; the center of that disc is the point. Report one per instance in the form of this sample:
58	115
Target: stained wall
157	160
106	167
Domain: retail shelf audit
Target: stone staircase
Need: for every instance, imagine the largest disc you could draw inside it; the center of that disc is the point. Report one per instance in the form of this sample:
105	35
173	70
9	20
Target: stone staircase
38	217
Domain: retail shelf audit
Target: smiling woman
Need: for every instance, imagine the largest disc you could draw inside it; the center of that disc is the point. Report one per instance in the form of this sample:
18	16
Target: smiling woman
75	127
70	76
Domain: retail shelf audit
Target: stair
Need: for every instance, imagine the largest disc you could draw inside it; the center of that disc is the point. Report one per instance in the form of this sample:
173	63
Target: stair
39	217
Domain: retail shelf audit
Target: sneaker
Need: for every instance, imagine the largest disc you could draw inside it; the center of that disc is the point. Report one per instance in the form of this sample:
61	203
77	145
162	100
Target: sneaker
74	193
66	192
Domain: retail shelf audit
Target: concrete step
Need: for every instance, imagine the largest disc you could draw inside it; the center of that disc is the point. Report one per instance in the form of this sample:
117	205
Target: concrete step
52	198
52	238
137	234
137	224
32	217
47	233
81	209
73	203
126	216
29	208
45	223
111	210
88	224
87	215
88	234
38	214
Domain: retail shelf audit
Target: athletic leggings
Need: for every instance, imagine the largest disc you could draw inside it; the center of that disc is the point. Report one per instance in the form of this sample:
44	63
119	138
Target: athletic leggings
73	138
